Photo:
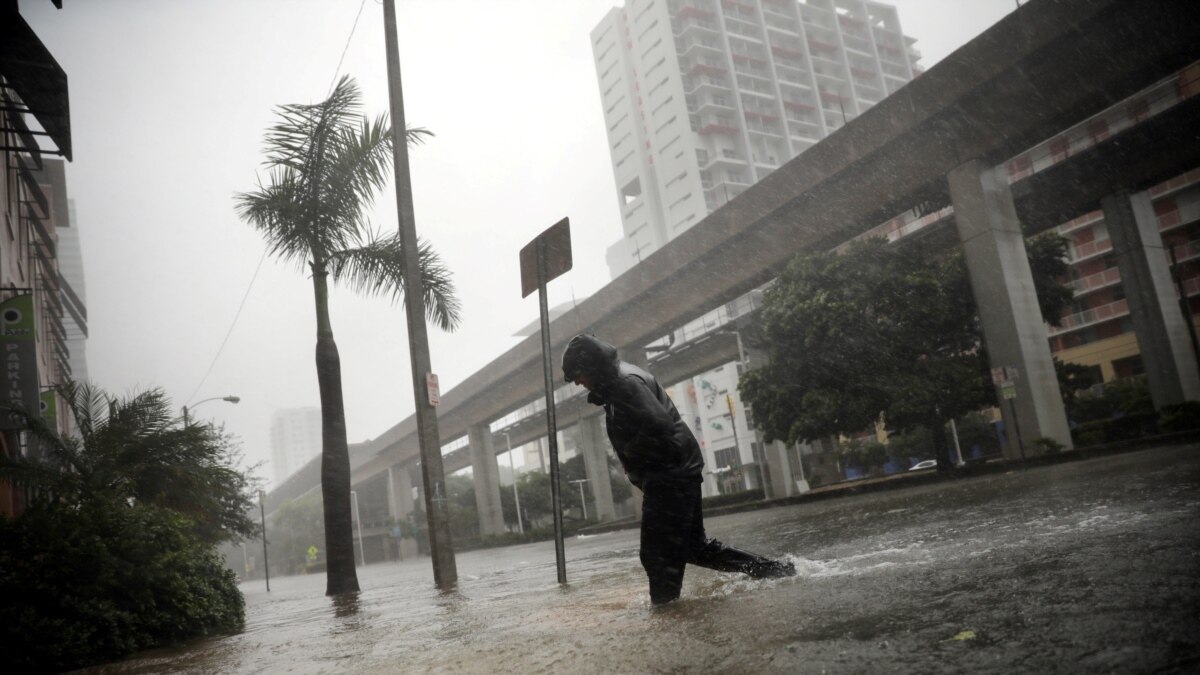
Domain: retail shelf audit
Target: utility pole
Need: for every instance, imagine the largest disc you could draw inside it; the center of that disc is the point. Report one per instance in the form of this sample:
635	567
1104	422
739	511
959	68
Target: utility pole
441	547
262	513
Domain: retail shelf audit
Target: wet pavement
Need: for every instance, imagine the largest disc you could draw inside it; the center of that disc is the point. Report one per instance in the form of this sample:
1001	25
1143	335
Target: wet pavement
1088	566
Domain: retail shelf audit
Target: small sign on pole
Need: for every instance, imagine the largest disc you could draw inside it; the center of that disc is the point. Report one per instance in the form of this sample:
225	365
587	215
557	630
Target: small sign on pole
431	387
543	259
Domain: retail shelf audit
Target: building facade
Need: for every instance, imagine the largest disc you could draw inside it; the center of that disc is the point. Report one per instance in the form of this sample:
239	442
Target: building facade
702	98
295	439
34	125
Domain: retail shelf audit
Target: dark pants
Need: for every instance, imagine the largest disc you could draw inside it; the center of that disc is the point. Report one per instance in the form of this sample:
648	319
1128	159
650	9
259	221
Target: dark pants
673	535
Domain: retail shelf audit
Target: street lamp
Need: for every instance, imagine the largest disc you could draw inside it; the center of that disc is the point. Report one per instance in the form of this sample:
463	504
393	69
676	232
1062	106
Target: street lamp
358	524
582	499
516	496
231	399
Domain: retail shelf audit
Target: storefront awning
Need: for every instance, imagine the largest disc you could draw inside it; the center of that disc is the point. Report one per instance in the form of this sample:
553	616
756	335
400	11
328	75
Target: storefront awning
30	70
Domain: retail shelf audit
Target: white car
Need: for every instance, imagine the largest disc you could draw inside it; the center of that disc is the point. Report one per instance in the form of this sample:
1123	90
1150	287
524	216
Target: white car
926	464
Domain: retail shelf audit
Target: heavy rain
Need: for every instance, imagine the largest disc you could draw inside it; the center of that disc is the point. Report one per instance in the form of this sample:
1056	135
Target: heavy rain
671	336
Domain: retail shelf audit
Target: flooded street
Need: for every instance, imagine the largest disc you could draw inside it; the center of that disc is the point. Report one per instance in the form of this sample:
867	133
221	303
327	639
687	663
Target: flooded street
1090	566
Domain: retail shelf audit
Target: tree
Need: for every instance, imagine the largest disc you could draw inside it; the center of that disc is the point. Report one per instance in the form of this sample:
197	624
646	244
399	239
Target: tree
295	527
115	551
327	164
134	450
879	331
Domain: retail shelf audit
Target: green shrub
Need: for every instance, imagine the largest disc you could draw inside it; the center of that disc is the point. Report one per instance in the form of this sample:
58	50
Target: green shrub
1089	433
1048	446
1180	416
734	498
94	583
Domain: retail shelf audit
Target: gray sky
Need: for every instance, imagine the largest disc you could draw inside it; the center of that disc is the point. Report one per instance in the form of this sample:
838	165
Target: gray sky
169	102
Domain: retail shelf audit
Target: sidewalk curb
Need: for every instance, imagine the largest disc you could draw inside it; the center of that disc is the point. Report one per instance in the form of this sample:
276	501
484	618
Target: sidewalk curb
930	476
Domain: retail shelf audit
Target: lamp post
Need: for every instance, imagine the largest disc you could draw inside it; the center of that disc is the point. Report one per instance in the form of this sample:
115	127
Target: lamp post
231	399
516	495
582	498
262	513
358	524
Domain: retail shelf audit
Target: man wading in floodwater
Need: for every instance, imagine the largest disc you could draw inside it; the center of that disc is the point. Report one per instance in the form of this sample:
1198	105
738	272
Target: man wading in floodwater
662	458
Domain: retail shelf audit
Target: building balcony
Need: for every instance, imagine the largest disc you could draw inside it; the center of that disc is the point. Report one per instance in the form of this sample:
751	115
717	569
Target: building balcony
697	26
1082	252
692	11
1076	224
717	128
821	47
799	105
761	114
788	53
695	46
752	59
706	69
1093	282
704	82
1090	317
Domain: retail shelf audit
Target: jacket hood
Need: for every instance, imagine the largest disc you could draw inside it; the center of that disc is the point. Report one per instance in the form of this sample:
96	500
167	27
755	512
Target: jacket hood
589	354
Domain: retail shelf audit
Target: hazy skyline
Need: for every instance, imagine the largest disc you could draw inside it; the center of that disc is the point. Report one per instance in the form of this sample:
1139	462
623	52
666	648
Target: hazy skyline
169	103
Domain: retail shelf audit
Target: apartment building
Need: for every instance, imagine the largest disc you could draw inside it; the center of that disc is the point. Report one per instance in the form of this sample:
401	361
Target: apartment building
34	124
702	98
295	439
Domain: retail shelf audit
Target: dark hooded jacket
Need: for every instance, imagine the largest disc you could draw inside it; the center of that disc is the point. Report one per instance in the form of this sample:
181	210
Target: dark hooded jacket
651	440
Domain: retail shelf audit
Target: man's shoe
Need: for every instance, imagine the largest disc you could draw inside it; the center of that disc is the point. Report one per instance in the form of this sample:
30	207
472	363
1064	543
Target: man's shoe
776	569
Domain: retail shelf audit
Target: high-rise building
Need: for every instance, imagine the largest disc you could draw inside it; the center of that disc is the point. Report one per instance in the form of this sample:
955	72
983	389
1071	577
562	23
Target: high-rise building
702	98
295	439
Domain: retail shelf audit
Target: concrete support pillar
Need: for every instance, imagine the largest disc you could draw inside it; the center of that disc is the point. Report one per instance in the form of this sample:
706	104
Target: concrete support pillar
487	479
400	505
1013	327
592	444
1161	328
775	455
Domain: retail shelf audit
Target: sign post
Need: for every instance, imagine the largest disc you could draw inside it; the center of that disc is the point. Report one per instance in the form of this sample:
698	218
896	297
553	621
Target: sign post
543	259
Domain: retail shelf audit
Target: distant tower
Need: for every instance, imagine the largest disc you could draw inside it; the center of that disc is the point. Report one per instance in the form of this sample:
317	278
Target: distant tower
702	98
295	439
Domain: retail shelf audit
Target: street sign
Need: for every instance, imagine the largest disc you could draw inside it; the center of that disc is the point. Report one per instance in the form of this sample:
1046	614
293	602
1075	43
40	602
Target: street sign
1008	390
431	388
543	259
555	243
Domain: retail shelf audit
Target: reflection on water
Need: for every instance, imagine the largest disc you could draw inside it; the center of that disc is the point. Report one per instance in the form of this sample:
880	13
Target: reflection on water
891	581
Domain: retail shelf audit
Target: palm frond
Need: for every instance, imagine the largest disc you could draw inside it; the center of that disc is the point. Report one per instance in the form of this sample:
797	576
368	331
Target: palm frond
377	267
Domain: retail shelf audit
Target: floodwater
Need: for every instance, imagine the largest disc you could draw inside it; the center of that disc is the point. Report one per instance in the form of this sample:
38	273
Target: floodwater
1090	566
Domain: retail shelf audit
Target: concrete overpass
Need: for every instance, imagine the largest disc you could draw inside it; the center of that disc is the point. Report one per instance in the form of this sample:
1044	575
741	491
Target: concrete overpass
1045	67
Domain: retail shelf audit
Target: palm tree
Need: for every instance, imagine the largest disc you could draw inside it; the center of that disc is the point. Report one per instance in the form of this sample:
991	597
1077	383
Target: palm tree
326	165
133	451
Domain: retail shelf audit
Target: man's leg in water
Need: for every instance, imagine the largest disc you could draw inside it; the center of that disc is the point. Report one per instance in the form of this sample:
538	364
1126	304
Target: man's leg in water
713	554
667	518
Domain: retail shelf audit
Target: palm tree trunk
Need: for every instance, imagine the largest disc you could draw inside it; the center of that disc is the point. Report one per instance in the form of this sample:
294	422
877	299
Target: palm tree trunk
340	574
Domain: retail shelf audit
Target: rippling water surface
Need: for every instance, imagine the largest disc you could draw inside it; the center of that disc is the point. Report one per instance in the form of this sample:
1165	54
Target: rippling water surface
1082	567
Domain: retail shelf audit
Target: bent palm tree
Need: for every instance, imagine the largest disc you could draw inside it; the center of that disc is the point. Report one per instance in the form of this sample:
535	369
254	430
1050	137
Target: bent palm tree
326	164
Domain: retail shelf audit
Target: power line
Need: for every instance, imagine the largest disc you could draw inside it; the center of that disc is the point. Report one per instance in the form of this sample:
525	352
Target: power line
231	327
250	286
347	47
